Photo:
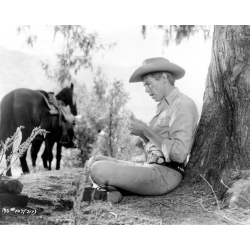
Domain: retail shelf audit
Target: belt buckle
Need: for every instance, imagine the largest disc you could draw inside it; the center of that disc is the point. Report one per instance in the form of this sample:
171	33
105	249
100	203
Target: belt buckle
160	160
152	158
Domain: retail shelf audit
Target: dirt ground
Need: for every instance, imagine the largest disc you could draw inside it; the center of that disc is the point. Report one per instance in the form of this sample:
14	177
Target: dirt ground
51	196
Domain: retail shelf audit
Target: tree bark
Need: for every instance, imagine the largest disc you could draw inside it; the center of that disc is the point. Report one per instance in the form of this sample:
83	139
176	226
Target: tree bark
221	147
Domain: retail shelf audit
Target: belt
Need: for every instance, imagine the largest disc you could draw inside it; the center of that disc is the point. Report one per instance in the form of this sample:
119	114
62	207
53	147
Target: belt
155	159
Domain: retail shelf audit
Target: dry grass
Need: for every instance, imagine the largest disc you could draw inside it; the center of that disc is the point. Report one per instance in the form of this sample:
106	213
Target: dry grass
15	148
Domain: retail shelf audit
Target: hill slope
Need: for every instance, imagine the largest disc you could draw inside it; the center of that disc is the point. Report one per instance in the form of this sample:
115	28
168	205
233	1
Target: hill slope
19	70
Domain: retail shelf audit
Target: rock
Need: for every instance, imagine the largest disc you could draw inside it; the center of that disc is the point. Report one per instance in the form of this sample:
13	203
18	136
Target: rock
10	186
13	200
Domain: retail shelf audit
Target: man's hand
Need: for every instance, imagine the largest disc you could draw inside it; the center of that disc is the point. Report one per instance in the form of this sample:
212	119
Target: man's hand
135	126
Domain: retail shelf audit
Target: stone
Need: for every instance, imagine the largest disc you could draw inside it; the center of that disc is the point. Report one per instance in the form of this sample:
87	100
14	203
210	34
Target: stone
10	186
14	200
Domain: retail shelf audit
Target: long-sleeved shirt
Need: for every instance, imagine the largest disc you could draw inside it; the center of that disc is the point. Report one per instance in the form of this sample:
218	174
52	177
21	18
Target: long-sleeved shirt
176	121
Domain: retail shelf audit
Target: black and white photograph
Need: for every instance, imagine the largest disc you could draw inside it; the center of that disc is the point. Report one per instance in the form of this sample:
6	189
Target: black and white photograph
124	123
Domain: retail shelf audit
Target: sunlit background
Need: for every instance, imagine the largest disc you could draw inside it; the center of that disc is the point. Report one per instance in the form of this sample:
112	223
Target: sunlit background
19	64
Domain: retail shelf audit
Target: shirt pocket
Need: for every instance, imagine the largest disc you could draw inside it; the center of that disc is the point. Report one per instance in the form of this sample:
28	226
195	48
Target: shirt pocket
163	121
162	126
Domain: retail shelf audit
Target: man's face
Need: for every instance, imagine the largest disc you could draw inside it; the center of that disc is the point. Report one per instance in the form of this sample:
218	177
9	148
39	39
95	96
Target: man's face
155	88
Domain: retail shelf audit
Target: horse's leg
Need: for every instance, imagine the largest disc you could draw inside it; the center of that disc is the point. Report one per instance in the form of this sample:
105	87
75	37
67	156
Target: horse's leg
47	155
50	152
44	158
24	164
8	173
58	155
35	147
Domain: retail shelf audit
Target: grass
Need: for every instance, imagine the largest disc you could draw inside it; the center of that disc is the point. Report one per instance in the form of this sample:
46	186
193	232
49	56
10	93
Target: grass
52	195
56	196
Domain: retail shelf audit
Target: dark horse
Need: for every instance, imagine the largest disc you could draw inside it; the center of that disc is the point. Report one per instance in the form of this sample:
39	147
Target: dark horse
47	156
25	107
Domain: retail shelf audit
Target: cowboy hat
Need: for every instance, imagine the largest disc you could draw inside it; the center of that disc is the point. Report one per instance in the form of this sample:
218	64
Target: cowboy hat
157	64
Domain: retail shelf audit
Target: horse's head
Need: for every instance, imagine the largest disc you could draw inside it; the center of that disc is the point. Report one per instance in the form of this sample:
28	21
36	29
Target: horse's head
67	140
68	96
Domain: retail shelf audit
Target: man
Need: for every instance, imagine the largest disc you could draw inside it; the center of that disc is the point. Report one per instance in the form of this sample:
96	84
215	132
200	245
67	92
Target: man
169	138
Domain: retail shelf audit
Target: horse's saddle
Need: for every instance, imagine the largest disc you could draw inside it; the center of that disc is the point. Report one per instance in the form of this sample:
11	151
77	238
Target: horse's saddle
66	119
56	107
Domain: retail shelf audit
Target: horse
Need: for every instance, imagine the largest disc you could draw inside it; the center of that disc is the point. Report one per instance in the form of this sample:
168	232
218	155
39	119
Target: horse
47	155
27	108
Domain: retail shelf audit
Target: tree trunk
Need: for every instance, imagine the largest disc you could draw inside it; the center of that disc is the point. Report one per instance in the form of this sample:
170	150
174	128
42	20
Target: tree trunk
222	143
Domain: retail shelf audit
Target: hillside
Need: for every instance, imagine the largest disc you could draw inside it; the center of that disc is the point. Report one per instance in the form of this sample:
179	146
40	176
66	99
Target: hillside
19	70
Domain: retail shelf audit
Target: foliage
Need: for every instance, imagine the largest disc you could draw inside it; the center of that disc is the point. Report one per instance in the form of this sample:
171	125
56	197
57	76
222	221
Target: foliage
124	145
31	38
86	136
116	99
117	141
18	149
77	50
179	32
102	127
93	111
100	84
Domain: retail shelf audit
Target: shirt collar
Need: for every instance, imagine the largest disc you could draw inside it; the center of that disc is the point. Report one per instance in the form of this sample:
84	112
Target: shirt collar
167	100
172	95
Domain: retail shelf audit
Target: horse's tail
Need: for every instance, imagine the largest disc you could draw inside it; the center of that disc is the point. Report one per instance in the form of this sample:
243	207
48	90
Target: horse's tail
6	112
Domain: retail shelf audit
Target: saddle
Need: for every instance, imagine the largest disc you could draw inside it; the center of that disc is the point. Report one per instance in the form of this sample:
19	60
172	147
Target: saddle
57	107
